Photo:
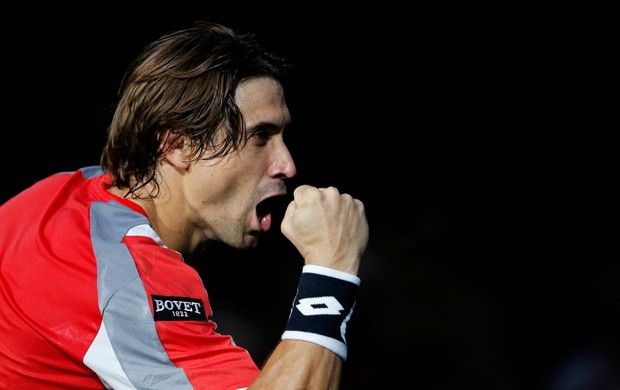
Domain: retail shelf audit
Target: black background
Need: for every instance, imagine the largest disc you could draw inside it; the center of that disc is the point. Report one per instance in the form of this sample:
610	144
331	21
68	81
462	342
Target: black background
481	138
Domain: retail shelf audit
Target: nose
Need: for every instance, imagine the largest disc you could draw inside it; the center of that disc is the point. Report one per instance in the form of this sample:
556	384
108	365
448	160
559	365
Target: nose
283	165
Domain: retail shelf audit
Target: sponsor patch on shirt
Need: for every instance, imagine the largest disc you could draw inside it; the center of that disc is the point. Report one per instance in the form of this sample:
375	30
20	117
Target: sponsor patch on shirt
167	308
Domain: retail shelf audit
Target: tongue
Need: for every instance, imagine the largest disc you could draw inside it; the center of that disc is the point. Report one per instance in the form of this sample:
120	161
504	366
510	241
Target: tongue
265	222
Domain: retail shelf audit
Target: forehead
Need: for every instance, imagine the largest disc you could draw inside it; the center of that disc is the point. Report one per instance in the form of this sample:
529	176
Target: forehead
261	100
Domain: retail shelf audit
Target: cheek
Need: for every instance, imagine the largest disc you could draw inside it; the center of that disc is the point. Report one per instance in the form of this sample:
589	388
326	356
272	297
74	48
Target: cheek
230	181
216	189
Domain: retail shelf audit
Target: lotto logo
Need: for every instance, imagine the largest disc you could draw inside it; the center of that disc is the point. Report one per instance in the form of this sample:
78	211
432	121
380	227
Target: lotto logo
319	306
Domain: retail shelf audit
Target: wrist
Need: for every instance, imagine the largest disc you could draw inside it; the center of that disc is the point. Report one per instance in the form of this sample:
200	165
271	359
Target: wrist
322	307
350	267
331	272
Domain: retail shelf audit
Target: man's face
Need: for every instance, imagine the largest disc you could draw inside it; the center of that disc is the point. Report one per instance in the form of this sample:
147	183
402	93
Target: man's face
223	194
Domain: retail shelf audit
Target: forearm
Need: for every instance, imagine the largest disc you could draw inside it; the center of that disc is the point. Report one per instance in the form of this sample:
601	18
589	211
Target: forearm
296	364
330	231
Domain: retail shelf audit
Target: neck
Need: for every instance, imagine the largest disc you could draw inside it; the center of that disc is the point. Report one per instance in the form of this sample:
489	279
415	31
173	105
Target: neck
166	226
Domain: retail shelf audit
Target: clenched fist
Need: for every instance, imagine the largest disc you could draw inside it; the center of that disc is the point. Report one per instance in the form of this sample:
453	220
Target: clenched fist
327	228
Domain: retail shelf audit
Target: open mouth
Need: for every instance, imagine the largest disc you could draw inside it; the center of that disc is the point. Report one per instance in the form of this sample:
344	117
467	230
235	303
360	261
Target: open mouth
266	209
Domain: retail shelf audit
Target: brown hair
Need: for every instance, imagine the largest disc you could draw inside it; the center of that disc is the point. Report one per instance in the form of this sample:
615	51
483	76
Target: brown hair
183	83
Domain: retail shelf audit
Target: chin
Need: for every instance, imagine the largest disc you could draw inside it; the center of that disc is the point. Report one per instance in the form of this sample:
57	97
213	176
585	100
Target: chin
249	241
253	243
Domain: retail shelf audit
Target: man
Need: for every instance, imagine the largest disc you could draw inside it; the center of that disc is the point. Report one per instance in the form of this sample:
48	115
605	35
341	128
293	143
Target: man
94	291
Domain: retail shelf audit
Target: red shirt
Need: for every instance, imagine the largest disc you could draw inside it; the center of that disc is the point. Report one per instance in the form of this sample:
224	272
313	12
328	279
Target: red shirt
91	298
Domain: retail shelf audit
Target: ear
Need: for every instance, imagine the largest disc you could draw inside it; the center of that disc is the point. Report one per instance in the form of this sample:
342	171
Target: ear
175	150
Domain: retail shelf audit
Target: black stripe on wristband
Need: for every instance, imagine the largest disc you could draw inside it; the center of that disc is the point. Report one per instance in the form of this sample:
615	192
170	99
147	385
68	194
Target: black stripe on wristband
322	307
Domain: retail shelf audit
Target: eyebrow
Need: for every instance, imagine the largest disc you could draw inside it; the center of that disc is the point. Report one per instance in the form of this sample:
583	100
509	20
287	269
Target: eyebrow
267	126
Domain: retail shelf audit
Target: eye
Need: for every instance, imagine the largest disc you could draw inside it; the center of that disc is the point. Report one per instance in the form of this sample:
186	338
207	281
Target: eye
260	136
